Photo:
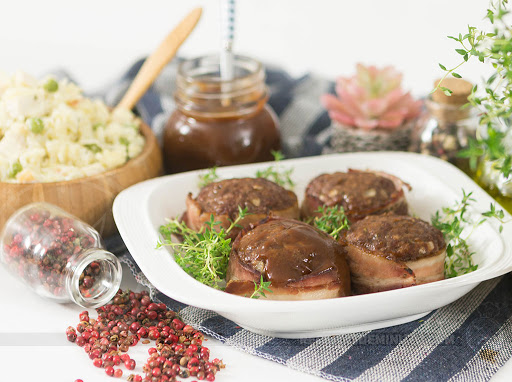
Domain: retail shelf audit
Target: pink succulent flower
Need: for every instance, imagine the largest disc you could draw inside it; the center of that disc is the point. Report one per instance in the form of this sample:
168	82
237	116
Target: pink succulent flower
371	99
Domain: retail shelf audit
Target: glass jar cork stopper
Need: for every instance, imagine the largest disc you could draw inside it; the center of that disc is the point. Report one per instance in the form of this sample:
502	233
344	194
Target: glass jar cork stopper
449	107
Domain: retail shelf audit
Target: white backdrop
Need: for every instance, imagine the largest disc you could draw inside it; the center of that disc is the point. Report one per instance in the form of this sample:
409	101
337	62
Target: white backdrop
98	39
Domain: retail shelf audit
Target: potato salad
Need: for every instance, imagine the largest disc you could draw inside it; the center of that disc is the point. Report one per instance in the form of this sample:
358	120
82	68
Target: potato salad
49	131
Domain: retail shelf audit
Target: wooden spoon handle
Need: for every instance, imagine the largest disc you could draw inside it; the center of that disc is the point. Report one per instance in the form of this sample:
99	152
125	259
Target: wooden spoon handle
158	59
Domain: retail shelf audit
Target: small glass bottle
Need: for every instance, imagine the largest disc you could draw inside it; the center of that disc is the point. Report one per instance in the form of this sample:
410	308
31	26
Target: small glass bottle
219	122
445	128
490	177
59	256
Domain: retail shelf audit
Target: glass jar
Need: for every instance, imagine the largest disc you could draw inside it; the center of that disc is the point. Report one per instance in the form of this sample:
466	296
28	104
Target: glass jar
446	126
489	175
59	256
218	122
492	180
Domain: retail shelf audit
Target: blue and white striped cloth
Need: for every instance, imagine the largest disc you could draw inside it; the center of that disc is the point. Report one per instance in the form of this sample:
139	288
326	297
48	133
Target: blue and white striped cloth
468	340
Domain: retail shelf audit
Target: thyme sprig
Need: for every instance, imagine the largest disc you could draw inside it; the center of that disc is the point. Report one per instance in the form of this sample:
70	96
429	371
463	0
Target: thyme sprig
499	215
208	177
276	173
203	255
494	102
457	225
332	220
261	288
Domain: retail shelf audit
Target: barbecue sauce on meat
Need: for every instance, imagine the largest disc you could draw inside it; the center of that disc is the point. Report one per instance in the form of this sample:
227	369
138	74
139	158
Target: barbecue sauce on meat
285	251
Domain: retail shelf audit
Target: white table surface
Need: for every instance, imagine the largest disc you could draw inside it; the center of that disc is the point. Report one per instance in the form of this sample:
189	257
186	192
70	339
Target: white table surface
97	40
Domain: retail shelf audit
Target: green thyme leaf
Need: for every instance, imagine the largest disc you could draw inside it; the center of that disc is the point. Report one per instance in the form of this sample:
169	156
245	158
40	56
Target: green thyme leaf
332	220
490	15
203	255
261	288
276	173
207	177
473	152
457	225
446	91
493	213
278	155
506	166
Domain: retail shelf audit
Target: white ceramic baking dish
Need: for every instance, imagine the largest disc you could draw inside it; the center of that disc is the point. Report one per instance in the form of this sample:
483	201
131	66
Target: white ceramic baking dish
141	209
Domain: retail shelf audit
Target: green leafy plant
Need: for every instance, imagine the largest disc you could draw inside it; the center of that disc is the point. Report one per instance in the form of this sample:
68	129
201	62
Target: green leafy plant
207	177
203	255
494	100
276	173
457	224
261	288
332	221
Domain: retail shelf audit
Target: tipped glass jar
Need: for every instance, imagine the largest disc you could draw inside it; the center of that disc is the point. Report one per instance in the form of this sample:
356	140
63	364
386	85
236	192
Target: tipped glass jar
59	256
219	122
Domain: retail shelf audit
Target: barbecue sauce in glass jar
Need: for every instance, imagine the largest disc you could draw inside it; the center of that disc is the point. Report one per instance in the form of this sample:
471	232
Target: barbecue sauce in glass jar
218	122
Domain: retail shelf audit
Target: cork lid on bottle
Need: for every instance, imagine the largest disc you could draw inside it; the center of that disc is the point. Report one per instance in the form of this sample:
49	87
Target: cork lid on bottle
461	90
448	109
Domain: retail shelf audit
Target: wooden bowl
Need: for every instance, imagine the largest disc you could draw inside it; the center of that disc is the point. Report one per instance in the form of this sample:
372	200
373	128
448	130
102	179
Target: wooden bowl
89	198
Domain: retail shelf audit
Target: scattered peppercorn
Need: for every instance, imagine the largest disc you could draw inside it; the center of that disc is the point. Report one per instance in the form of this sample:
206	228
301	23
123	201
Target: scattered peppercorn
178	349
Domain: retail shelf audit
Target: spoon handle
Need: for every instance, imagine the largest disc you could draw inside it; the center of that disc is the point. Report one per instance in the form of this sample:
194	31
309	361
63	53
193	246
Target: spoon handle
158	59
